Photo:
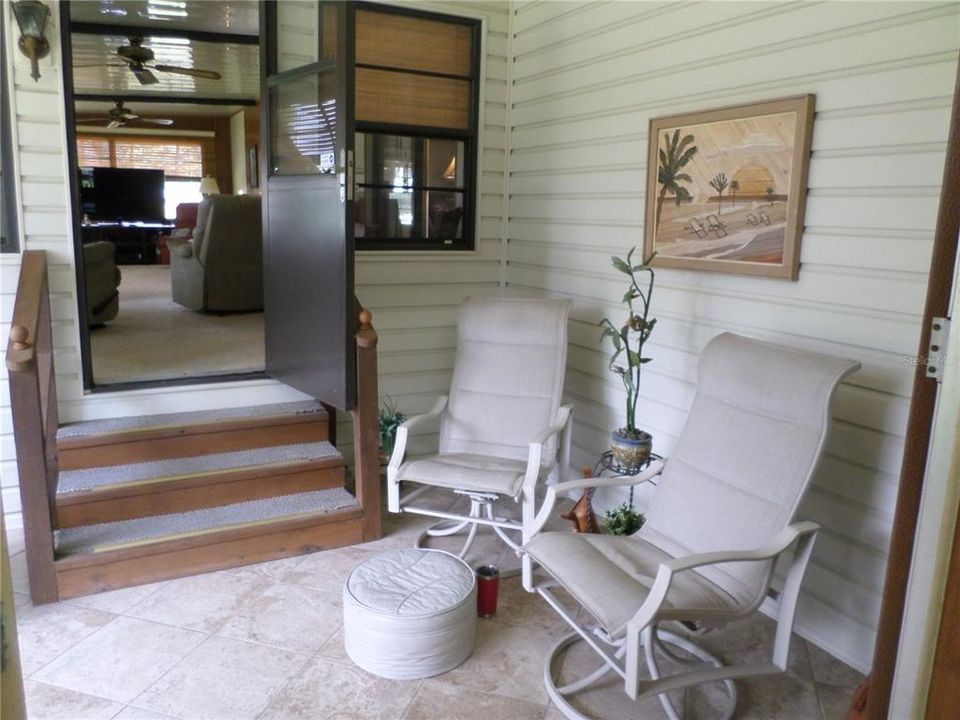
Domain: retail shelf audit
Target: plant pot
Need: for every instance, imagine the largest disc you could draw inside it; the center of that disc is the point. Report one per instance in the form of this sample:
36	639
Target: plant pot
630	453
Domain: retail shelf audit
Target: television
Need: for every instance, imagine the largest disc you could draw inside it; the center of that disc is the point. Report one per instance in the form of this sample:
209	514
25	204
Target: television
122	194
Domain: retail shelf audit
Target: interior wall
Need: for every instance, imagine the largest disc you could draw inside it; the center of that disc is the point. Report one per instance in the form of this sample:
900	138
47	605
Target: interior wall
586	80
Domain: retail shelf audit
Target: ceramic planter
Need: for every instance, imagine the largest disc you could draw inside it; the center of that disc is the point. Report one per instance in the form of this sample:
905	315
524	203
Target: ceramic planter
630	453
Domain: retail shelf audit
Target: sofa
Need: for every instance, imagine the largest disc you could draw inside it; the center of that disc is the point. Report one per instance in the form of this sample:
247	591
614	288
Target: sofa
101	278
220	268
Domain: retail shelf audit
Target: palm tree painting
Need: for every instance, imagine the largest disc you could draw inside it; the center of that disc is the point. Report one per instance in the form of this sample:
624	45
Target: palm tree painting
753	156
719	183
674	154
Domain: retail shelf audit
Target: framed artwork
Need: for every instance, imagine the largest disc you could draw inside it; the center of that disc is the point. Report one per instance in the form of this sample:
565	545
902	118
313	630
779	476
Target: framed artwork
726	188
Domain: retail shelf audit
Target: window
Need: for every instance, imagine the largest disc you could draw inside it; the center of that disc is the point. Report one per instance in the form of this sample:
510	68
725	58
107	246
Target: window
180	159
409	188
416	86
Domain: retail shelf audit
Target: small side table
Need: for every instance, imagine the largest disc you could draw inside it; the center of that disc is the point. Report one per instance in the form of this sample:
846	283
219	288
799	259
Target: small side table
606	466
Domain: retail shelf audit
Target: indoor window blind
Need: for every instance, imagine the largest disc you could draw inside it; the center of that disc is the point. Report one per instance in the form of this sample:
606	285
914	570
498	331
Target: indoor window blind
177	158
93	151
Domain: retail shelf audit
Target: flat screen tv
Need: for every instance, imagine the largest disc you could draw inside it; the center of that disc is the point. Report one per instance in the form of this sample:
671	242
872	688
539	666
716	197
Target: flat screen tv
127	194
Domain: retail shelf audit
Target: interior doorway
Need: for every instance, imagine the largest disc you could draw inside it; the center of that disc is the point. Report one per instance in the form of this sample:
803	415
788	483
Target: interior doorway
163	142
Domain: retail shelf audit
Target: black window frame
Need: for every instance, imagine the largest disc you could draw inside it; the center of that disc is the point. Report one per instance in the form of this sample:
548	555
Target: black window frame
470	138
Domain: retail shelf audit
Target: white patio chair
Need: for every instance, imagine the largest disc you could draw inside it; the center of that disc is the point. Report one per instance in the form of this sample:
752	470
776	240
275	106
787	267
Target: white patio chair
502	427
720	516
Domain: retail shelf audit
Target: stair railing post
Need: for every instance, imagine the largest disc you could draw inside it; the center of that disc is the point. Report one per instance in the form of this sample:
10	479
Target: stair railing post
366	434
29	358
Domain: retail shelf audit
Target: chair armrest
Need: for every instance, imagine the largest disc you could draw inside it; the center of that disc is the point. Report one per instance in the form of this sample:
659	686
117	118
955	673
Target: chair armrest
400	444
535	454
661	585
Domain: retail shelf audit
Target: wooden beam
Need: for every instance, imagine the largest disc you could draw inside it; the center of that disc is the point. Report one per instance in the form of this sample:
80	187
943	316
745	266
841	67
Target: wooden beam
366	434
88	28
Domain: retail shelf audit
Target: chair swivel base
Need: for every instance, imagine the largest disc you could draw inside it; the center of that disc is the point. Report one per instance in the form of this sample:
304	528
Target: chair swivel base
558	694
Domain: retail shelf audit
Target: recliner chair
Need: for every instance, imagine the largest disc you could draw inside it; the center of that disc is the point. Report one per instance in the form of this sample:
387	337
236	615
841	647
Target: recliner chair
221	268
101	279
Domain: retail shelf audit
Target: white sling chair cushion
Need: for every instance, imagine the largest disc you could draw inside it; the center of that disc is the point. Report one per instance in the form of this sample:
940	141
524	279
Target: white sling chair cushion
749	448
506	390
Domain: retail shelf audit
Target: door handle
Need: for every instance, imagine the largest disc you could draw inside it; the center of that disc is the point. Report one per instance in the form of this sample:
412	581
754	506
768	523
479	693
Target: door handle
345	175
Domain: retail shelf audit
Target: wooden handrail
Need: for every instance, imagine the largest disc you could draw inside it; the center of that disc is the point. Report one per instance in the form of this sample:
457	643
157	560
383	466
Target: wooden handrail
33	405
21	347
366	433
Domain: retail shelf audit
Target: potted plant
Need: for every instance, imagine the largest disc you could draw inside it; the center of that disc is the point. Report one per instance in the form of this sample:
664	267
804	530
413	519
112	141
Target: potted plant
623	520
389	419
630	445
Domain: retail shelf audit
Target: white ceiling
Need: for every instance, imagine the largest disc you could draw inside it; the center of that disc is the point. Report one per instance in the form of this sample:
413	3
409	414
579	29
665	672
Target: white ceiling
238	64
240	17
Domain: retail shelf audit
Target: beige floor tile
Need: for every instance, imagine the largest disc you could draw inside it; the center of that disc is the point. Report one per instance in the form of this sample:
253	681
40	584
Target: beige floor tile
333	649
14	540
328	689
135	713
751	641
18	573
273	569
327	570
117	601
508	660
121	659
516	606
437	700
828	669
834	701
289	617
46	631
47	702
223	679
777	697
201	602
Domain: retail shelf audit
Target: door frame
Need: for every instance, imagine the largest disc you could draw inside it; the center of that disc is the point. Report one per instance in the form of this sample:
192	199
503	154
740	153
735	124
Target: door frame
86	357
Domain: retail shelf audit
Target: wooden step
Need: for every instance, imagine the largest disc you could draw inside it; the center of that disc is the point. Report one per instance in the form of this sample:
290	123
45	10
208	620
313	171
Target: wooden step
122	441
109	556
123	492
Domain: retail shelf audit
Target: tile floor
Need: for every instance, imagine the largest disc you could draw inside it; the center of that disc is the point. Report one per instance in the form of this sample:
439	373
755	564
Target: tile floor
265	641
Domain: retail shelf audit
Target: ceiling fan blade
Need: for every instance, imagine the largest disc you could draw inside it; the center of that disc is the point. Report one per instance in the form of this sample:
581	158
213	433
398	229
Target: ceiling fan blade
192	72
156	121
114	124
145	76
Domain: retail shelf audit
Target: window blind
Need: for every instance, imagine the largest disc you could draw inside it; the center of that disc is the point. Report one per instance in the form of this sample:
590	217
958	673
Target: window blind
177	158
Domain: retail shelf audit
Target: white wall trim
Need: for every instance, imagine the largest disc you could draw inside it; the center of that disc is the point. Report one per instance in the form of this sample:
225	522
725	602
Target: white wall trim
933	543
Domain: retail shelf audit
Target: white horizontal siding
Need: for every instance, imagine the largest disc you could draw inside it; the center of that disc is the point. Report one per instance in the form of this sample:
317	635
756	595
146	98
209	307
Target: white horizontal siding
587	77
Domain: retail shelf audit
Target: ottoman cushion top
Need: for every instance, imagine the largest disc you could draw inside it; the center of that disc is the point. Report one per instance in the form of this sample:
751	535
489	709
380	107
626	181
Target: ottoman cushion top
411	582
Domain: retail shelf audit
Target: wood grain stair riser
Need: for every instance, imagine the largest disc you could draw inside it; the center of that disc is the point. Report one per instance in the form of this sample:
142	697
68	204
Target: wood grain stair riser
97	572
180	494
170	443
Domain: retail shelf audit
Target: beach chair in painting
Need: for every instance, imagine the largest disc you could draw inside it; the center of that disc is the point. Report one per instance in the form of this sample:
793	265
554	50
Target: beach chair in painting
753	219
764	218
717	226
697	228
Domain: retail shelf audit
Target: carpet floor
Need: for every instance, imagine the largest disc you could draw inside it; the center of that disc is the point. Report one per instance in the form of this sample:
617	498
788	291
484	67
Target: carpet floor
153	338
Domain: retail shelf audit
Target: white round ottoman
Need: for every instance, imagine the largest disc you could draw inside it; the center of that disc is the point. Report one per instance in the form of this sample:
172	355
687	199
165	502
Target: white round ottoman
410	613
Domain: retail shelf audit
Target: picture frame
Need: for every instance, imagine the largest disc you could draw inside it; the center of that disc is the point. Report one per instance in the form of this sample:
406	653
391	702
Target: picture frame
726	188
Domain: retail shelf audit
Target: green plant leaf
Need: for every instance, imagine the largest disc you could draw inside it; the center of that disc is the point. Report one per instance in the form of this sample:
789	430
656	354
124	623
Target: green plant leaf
633	358
620	265
644	361
631	294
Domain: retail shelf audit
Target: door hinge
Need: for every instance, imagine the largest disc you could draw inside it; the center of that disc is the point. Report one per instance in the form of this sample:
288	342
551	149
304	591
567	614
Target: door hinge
937	351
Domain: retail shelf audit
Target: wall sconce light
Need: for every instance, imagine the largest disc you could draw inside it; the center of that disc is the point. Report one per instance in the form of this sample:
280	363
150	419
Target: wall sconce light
31	18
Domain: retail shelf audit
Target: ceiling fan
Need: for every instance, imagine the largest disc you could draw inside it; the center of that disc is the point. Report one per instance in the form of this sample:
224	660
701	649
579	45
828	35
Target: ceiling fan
119	116
135	57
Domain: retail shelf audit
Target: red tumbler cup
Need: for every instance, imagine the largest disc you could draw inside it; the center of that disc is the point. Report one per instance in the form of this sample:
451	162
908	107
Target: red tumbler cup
488	587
